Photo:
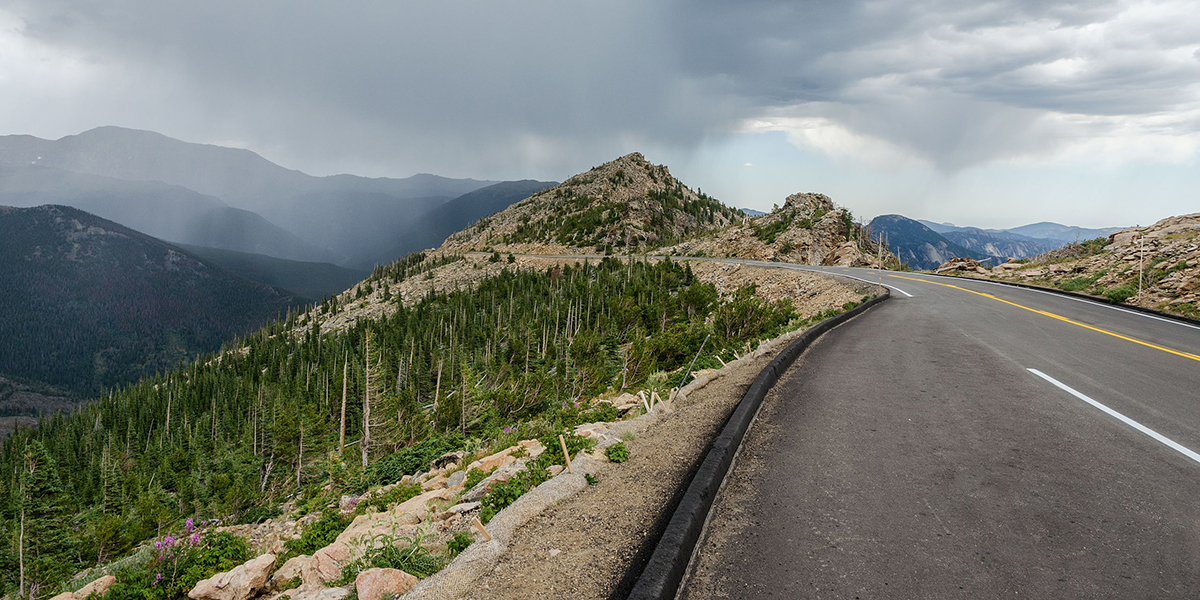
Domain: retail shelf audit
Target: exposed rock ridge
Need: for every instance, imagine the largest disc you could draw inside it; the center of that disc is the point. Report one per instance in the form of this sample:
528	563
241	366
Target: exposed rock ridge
627	204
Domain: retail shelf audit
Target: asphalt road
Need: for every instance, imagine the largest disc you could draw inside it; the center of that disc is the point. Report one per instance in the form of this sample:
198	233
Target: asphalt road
970	440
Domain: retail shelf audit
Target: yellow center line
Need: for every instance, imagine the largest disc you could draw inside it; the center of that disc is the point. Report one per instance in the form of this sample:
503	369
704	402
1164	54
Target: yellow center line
1059	317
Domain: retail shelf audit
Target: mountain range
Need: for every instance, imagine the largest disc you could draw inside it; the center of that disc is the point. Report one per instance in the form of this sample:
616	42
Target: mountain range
234	199
926	244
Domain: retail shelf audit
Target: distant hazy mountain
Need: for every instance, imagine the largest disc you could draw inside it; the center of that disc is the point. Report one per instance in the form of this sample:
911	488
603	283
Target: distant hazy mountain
940	227
309	280
353	221
86	303
1054	232
916	244
239	177
1063	233
168	212
1003	245
460	212
750	212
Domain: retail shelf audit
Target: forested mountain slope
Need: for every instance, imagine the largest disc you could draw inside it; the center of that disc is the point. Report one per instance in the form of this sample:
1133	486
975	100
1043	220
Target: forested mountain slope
86	304
520	354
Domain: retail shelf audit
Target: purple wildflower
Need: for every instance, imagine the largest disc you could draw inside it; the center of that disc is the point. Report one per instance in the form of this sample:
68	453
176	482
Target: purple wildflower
195	538
191	525
158	578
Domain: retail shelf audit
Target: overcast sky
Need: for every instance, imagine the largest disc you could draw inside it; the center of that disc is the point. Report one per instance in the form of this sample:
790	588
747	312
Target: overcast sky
992	114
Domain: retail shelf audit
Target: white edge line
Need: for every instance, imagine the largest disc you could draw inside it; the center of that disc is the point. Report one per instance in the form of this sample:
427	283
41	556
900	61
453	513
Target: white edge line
1069	297
1120	417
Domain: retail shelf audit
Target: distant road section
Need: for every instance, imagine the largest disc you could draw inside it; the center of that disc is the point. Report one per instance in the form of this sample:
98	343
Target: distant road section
970	440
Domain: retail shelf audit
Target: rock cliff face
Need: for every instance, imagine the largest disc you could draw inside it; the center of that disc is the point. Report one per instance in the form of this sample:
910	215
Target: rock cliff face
1166	254
808	229
627	205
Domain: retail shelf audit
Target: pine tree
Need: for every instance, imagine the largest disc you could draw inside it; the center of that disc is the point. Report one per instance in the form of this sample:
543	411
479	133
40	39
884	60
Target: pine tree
46	544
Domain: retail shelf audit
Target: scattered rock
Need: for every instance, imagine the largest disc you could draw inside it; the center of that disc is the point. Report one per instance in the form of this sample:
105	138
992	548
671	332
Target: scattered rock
456	479
961	264
447	459
377	584
241	583
435	483
458	509
555	552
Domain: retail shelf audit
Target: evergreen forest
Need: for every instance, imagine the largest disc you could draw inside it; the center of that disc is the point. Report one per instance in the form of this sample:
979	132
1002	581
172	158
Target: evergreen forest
292	412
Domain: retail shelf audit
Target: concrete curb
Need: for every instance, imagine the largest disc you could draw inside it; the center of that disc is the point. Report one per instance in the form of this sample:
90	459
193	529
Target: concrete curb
665	570
1096	299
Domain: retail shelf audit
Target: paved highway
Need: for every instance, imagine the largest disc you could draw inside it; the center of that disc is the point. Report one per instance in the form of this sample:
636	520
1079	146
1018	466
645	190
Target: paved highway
970	440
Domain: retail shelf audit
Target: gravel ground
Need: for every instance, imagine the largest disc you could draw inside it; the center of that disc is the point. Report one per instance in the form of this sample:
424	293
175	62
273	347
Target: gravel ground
593	544
728	517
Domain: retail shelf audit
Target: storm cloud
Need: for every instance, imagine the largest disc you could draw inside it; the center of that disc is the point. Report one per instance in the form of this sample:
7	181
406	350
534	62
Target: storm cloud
543	88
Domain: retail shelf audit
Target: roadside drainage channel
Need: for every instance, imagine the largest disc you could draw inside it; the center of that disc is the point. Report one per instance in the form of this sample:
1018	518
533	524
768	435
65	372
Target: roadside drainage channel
664	572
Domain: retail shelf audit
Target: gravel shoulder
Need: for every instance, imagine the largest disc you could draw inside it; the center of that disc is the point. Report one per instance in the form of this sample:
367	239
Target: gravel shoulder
589	545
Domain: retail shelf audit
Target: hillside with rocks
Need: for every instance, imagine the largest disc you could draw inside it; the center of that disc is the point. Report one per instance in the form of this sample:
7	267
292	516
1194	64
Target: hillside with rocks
808	229
624	206
1165	254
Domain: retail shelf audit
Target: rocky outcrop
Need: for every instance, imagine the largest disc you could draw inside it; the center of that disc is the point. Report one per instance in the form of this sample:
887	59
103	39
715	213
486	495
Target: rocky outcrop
1166	255
808	229
962	265
242	583
378	584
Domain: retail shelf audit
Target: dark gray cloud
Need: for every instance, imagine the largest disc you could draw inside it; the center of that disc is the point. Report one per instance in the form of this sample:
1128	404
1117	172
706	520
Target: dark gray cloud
546	87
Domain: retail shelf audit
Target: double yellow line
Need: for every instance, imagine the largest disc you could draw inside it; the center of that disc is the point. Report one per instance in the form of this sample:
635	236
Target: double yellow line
1059	317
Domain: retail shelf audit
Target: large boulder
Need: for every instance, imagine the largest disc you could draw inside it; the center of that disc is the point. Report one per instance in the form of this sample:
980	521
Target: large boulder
98	587
241	583
296	567
377	584
494	461
318	593
327	563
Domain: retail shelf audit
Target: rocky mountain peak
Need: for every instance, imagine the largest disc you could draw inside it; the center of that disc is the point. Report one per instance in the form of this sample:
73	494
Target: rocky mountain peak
627	204
807	204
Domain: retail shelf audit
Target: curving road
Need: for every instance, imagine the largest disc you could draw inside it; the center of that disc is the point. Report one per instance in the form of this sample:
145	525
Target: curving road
970	440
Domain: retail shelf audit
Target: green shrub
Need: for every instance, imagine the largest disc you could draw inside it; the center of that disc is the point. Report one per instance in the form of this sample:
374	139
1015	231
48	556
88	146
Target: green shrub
474	476
258	514
177	564
318	534
536	472
1120	293
396	495
617	452
386	552
407	461
590	479
461	541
